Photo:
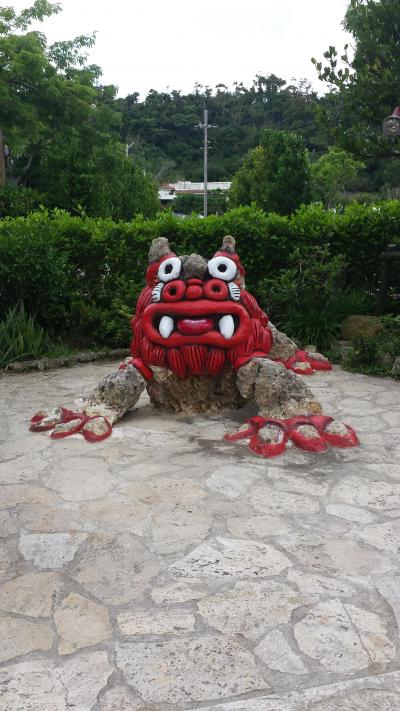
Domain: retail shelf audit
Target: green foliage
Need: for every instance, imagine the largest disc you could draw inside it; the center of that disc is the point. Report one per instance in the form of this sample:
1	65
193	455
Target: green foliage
62	127
21	337
373	355
331	174
217	203
81	276
274	175
16	202
309	300
33	270
163	125
366	82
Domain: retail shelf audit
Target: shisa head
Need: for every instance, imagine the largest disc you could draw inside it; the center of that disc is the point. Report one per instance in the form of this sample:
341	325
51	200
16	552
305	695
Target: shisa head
195	316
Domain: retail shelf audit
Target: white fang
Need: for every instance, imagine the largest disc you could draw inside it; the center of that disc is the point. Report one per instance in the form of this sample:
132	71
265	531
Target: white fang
156	293
227	326
234	291
166	326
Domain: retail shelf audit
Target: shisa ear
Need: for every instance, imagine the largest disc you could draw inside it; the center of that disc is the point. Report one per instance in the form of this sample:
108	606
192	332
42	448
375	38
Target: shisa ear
159	248
228	249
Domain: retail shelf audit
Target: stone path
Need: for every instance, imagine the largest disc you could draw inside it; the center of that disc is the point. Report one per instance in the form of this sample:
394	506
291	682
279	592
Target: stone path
165	569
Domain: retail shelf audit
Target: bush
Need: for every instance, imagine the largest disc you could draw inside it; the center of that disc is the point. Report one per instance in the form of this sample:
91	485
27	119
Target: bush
274	175
309	301
374	355
21	337
81	276
16	202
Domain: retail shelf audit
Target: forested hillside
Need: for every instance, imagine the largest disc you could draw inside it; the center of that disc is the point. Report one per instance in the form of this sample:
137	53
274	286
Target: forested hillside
167	142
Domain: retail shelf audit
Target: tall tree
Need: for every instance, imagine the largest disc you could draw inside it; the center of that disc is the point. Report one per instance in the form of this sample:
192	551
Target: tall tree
274	175
366	78
62	126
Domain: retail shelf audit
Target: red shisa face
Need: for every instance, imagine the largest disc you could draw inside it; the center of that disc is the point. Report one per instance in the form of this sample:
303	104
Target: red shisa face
195	325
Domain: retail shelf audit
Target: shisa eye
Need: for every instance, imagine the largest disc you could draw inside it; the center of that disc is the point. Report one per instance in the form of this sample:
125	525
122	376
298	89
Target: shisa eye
169	269
222	268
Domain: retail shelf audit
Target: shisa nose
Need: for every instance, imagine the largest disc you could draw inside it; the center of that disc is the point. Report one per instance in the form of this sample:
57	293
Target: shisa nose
194	289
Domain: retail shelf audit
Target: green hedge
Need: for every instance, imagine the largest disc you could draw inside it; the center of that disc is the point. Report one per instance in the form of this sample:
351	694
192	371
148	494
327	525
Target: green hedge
81	276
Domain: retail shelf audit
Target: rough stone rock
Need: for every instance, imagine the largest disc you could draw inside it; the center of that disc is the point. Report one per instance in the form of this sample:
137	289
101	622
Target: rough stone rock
13	494
389	588
232	481
283	347
158	248
314	586
374	494
173	528
120	698
185	670
342	556
354	326
32	594
118	512
271	501
278	392
231	559
80	623
177	592
18	636
8	558
275	651
385	536
18	471
46	519
251	609
160	491
203	393
115	569
362	694
115	394
384	359
40	685
368	699
396	366
350	513
159	622
344	637
194	266
257	526
50	550
7	524
74	484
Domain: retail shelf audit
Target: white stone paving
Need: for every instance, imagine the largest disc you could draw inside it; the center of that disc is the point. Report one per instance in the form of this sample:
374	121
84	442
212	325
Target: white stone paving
165	569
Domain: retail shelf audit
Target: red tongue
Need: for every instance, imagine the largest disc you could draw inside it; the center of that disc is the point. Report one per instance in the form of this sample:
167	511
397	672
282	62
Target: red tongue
194	326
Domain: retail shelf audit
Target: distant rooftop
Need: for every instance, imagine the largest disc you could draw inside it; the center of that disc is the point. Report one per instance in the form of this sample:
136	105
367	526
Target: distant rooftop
170	190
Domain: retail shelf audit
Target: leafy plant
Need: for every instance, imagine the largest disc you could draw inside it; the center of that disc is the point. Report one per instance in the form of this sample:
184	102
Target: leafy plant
15	202
21	337
374	355
310	300
274	175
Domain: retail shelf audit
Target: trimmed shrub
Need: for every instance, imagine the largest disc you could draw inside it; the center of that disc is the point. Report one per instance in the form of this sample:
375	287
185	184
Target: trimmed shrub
81	276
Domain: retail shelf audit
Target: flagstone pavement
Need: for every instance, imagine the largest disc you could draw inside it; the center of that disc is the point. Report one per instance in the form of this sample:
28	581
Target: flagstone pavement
167	569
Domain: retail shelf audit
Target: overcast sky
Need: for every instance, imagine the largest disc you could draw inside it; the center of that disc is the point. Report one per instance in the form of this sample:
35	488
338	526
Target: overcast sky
156	44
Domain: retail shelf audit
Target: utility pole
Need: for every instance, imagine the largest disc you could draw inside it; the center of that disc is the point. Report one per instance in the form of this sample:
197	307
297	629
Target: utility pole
205	162
205	126
2	162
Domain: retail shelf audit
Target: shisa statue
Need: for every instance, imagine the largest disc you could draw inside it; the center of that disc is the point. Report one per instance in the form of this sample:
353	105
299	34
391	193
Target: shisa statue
201	343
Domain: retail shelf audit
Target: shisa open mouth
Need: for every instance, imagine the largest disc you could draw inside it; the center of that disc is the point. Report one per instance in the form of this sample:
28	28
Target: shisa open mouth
214	323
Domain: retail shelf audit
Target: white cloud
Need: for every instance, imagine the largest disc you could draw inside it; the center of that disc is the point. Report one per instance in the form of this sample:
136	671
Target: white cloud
159	43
